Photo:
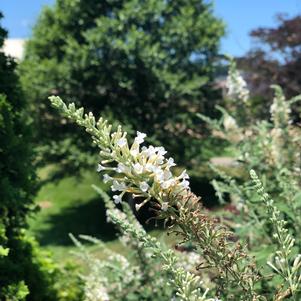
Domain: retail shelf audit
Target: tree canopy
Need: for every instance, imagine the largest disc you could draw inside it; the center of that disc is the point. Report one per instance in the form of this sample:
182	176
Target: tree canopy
275	59
145	63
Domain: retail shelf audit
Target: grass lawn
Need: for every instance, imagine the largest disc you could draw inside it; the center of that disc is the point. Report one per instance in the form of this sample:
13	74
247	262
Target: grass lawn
72	206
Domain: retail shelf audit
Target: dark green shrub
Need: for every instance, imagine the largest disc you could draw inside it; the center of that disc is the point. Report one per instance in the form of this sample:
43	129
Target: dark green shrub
25	271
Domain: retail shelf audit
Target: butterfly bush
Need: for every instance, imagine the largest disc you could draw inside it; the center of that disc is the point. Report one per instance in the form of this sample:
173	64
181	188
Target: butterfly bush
236	85
143	171
106	279
285	264
219	243
272	148
152	265
187	285
147	174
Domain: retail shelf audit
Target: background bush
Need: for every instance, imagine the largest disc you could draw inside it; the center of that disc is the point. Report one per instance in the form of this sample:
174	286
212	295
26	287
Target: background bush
252	253
26	272
271	147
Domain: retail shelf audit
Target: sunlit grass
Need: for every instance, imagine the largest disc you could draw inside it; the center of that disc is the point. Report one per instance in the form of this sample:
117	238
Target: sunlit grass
72	206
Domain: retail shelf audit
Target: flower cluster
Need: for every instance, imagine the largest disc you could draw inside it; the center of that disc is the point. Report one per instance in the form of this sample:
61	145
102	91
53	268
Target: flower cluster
189	260
143	171
102	281
280	109
236	85
229	123
95	291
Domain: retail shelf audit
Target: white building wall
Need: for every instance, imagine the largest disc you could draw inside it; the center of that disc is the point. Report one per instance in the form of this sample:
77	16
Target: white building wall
14	48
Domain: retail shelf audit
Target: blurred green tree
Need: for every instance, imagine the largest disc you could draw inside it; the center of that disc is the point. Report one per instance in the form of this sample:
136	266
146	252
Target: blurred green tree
148	64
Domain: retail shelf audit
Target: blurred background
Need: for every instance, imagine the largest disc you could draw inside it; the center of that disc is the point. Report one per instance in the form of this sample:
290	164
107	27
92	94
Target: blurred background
147	78
148	65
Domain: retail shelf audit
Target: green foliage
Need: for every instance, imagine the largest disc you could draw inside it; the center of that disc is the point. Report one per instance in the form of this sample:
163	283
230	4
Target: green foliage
144	63
251	255
26	273
19	269
146	173
272	223
150	271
